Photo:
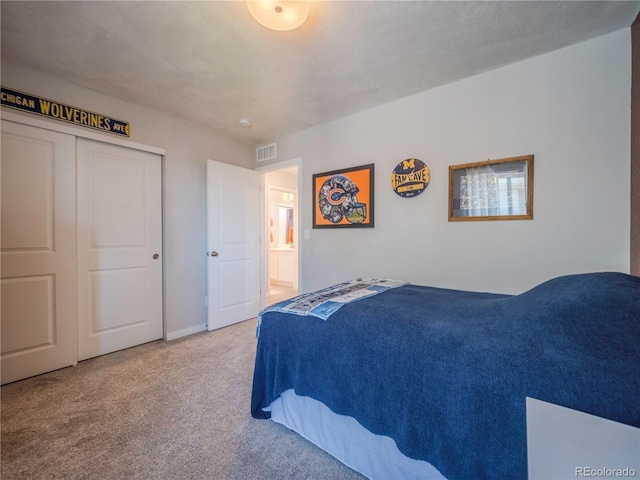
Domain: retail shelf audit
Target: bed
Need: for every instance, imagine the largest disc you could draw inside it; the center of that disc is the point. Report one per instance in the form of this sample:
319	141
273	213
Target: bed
443	376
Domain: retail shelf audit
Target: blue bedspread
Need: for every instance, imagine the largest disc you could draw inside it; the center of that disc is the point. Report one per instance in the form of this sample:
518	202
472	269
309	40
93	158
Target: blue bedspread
445	373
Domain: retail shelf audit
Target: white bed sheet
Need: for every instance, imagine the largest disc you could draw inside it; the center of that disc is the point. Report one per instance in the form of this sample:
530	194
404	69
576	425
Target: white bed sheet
374	456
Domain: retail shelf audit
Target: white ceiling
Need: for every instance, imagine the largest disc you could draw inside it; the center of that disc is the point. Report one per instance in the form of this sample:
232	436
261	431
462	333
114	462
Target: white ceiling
211	63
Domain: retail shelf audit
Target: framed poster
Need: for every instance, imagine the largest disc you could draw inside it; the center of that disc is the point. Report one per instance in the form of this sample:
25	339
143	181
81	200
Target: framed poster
492	190
343	198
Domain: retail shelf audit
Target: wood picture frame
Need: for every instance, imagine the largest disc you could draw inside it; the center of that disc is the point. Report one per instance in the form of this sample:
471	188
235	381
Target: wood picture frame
492	190
344	198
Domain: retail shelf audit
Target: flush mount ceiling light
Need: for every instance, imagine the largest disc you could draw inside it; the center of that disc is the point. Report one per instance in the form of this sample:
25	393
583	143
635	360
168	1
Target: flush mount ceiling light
280	15
244	122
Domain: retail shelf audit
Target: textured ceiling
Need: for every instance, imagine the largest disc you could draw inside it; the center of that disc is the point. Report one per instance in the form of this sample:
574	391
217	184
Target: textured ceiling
211	63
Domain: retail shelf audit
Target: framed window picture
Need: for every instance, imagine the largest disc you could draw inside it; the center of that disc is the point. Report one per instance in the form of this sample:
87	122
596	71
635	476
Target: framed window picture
343	198
492	190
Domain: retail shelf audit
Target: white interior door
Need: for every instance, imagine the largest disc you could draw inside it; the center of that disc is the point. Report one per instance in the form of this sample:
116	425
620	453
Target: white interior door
233	244
38	244
119	248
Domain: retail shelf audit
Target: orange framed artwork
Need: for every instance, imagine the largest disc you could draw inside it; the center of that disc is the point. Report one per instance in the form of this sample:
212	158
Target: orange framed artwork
344	198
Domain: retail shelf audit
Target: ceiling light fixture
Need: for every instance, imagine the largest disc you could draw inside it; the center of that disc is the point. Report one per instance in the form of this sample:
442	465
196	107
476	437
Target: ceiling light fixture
244	122
282	15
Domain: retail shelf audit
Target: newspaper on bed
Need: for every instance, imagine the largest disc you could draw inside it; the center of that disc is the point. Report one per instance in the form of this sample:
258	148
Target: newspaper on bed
323	303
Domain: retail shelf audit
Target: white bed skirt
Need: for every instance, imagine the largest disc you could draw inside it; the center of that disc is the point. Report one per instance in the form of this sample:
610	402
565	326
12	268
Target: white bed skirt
374	456
561	442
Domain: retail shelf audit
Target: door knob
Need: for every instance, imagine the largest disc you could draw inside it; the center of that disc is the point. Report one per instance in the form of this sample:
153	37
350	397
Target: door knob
155	256
214	254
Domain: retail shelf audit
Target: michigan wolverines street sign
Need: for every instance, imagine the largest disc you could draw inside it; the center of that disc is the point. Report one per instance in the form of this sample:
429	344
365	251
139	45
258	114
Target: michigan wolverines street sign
59	111
410	177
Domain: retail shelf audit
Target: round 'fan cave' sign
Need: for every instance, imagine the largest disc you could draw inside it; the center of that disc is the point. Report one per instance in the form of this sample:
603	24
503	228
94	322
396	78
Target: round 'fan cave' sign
410	177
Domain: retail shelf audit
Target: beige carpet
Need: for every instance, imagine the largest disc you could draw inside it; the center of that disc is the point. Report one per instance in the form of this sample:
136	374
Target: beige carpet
163	410
279	293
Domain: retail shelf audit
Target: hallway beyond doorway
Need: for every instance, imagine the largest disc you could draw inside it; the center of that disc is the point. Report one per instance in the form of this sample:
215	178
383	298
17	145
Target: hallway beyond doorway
280	293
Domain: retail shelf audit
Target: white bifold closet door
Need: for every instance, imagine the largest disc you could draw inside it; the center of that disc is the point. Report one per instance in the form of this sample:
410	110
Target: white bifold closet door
81	244
119	248
39	326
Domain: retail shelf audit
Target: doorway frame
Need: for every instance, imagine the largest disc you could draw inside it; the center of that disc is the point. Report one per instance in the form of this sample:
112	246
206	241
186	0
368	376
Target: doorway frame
296	162
267	199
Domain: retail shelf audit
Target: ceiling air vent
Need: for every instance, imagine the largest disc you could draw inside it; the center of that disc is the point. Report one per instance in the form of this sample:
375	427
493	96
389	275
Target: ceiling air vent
268	152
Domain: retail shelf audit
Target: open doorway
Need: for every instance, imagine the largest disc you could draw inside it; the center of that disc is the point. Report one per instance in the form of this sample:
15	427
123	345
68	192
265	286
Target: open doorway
282	245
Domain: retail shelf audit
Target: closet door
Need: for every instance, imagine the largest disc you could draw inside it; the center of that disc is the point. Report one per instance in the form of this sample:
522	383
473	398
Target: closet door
119	248
38	245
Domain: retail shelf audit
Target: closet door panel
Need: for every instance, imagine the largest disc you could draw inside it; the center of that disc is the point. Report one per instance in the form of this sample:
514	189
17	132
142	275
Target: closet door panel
38	249
119	248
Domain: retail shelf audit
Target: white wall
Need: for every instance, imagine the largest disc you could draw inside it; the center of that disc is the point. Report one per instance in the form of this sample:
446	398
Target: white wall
570	108
281	179
187	147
